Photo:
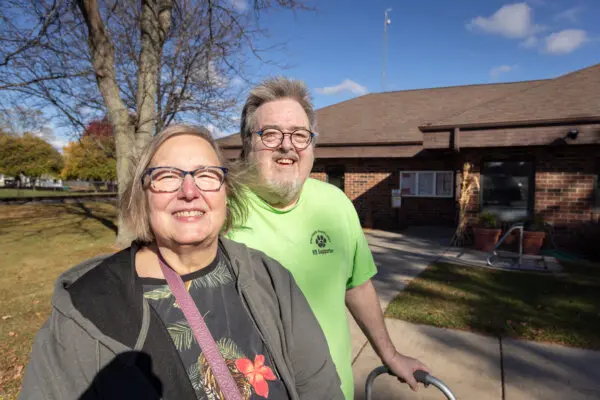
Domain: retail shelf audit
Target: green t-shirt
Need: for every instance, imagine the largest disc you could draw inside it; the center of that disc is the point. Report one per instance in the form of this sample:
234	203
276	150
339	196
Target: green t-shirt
320	241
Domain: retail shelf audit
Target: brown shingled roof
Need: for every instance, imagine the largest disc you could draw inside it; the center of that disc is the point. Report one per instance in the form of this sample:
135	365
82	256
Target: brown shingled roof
395	117
571	96
230	141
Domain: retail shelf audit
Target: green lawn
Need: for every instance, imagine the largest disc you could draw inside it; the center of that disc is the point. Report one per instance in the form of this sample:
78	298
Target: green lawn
37	243
563	309
39	193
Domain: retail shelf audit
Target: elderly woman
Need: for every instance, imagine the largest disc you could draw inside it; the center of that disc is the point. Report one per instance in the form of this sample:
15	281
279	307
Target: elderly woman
183	313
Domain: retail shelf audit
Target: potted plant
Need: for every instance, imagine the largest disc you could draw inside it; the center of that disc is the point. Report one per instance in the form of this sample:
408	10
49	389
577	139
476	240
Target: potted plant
486	232
534	235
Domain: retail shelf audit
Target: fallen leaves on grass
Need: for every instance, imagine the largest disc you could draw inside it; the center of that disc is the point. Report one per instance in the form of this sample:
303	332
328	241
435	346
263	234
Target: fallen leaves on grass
11	374
69	234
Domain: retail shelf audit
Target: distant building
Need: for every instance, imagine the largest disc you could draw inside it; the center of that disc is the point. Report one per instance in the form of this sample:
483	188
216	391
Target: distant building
48	181
45	181
6	181
535	146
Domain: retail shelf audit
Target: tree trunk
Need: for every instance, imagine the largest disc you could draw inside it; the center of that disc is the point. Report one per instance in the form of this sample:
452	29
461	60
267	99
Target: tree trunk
124	147
155	25
103	60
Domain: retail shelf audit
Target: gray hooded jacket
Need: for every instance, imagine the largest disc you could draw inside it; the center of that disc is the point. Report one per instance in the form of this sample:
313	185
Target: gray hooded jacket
103	341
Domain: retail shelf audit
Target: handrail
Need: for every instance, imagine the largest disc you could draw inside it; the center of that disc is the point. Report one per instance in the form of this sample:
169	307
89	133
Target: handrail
518	226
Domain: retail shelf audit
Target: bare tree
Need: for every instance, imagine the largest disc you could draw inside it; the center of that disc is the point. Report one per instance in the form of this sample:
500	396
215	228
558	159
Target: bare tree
20	120
143	63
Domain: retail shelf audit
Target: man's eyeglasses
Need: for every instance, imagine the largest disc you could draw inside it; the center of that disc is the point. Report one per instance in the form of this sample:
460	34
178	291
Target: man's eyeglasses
170	179
272	138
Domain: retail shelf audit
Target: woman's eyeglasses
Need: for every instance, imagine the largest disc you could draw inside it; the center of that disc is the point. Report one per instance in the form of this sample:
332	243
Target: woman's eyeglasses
170	179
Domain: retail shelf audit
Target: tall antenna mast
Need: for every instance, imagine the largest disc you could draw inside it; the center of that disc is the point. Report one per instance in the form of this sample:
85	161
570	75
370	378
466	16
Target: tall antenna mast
386	22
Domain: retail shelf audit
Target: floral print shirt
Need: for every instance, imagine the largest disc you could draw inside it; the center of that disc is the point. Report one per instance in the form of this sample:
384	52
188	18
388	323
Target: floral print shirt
214	292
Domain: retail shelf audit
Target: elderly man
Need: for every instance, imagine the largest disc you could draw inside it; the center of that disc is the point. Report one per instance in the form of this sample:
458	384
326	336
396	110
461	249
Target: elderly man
311	227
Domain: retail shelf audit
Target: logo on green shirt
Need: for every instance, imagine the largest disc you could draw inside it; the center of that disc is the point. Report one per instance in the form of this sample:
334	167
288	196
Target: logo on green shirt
321	240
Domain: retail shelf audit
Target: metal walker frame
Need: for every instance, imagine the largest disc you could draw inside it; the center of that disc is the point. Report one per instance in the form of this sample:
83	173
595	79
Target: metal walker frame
494	256
420	376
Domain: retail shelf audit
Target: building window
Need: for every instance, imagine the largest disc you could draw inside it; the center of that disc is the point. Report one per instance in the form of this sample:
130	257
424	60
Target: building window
444	184
427	183
507	189
408	183
335	175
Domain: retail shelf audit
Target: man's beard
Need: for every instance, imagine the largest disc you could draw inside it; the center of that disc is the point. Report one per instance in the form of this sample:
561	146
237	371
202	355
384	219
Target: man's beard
275	192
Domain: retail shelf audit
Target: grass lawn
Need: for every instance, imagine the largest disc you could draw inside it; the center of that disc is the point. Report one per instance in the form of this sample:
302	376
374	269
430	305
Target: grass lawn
38	193
563	309
38	243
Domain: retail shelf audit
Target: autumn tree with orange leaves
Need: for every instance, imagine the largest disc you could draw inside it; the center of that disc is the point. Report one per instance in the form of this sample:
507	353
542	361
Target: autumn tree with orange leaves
93	157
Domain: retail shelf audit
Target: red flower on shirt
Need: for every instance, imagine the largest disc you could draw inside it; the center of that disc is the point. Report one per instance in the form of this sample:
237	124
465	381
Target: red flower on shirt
257	374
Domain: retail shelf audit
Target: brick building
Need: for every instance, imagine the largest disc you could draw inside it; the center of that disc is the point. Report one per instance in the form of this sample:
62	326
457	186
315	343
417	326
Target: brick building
535	146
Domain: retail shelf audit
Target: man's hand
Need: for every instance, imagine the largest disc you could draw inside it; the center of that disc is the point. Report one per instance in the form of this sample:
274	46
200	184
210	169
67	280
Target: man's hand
364	305
404	367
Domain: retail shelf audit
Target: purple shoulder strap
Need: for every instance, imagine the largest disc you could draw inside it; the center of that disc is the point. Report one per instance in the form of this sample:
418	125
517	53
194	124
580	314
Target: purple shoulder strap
201	333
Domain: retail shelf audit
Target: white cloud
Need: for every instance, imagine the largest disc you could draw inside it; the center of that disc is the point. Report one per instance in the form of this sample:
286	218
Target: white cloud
240	5
512	21
566	41
346	86
570	15
216	132
236	82
59	143
529	43
500	70
87	113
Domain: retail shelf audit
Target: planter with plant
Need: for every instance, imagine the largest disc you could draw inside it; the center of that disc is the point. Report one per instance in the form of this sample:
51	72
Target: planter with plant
486	232
534	235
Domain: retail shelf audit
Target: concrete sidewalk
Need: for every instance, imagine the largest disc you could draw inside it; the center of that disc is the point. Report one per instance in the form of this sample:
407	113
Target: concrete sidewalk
399	258
468	363
474	366
478	367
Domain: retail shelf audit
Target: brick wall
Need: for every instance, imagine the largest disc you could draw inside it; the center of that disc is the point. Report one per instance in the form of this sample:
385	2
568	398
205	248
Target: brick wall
369	182
321	176
427	211
564	187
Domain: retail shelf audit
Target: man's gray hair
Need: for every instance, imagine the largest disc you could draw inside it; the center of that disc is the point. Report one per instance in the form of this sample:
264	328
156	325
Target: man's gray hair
270	90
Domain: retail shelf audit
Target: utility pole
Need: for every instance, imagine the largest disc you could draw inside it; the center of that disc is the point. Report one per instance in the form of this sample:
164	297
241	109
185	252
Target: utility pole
386	22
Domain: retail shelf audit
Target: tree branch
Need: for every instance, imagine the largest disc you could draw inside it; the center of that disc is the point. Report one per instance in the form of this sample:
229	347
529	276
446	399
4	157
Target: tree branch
43	79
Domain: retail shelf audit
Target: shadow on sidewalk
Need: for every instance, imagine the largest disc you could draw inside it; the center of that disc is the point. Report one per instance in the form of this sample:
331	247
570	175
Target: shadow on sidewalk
483	367
475	366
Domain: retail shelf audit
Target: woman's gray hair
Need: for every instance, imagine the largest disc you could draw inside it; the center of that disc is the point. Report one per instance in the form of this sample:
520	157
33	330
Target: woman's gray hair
270	90
134	207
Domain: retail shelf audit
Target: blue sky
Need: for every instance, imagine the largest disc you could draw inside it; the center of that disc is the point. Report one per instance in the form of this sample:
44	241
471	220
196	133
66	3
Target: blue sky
337	50
432	43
